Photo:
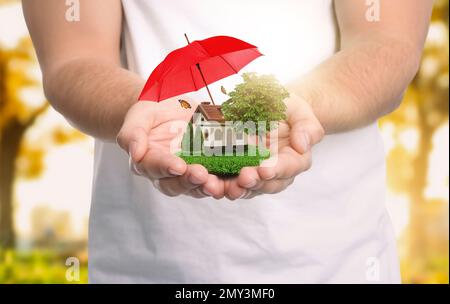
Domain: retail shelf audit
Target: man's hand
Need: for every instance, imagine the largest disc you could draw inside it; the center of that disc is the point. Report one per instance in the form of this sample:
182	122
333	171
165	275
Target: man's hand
292	155
150	134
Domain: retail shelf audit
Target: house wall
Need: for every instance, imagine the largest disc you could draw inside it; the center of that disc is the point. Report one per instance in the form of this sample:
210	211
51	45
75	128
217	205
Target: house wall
227	137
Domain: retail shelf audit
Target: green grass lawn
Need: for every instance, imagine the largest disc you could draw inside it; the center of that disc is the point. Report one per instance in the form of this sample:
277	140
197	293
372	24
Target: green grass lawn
37	267
226	165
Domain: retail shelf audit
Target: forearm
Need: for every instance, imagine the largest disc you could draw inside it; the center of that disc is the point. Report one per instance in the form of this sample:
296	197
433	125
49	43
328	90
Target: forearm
94	96
359	84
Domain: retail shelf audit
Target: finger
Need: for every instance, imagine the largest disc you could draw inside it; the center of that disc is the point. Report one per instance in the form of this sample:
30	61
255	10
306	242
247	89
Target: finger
214	187
286	164
197	193
250	194
269	187
134	142
312	127
137	124
302	118
157	164
304	135
133	167
248	178
275	186
299	139
233	191
195	176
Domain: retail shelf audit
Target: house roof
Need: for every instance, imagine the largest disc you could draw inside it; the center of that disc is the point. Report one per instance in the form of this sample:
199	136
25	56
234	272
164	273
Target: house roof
211	112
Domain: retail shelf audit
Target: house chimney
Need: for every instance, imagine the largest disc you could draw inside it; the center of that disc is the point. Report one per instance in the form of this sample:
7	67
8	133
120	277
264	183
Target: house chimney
205	102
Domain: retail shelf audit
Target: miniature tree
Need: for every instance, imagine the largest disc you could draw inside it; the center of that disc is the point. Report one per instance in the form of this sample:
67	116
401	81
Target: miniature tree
187	141
258	99
192	141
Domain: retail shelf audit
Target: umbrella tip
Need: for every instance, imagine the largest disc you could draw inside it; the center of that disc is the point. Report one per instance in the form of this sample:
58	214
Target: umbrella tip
187	39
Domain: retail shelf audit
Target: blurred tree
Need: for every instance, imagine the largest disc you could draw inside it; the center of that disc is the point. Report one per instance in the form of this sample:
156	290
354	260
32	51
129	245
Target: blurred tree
16	117
7	1
425	109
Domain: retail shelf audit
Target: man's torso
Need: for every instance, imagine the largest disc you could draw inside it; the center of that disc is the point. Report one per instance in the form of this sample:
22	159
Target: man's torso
324	228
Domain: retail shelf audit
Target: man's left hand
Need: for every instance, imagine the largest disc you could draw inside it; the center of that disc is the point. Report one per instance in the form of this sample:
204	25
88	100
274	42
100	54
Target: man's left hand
292	154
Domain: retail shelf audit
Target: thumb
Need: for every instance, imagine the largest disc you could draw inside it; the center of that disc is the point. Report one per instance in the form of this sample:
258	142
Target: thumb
134	142
137	144
306	129
300	138
133	135
305	134
303	122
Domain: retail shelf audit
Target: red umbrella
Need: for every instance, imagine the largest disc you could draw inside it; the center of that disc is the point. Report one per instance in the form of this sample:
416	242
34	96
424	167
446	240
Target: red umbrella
196	65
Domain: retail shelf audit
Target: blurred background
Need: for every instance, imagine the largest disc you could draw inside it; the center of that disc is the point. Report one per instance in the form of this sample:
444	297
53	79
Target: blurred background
46	166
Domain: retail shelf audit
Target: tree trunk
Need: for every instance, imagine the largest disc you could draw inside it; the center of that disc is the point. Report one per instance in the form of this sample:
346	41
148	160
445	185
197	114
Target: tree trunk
10	140
417	238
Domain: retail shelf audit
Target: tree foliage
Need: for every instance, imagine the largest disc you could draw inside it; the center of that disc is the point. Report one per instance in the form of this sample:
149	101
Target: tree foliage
258	99
424	110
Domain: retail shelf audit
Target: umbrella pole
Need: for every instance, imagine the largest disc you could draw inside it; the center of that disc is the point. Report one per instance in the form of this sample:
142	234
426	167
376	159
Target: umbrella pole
206	85
187	39
201	73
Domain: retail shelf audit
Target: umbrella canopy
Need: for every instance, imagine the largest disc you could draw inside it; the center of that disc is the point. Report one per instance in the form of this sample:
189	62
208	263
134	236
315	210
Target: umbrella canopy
196	65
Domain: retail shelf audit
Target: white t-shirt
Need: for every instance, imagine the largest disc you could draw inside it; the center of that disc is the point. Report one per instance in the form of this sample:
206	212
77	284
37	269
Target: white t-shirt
329	226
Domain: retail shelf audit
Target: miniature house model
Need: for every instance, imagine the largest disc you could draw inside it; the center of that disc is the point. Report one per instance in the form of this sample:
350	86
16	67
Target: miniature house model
217	134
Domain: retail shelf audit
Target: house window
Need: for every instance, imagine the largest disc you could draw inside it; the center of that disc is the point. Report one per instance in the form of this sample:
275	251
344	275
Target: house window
218	134
206	134
229	136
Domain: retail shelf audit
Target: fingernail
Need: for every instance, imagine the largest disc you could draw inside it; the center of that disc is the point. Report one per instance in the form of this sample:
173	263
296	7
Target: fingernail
133	148
243	194
305	141
272	176
206	192
175	172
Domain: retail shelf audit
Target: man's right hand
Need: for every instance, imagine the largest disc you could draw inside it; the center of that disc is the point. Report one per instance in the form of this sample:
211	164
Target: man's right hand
150	133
